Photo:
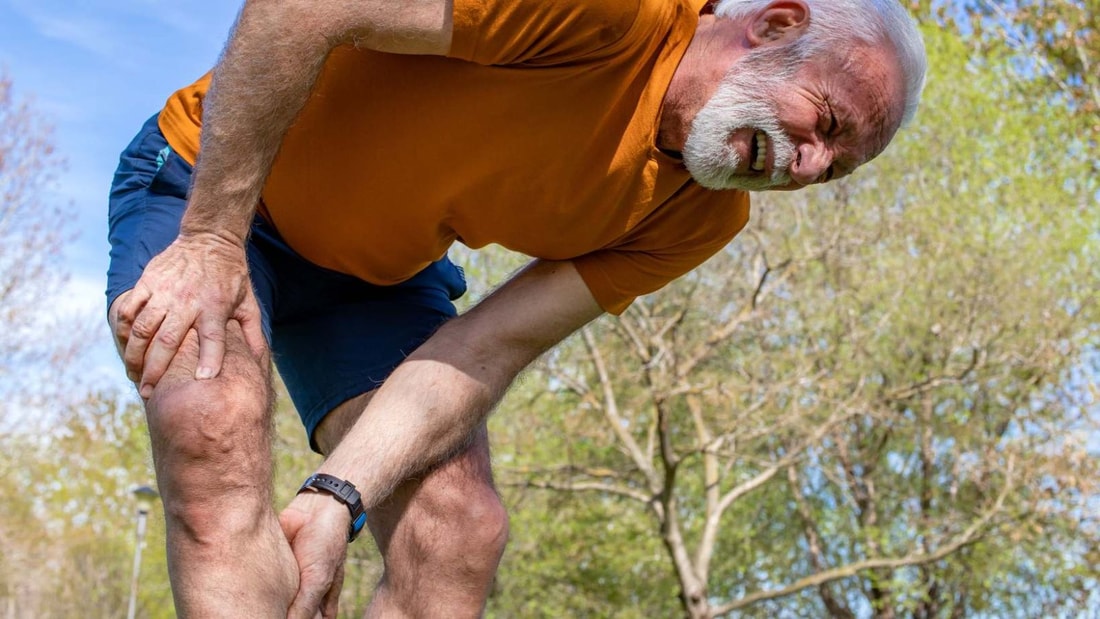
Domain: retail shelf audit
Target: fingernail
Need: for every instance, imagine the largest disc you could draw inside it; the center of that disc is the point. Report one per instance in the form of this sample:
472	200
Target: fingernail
146	391
204	373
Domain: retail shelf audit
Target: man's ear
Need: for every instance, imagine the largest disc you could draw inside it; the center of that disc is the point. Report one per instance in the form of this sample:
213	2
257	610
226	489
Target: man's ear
781	22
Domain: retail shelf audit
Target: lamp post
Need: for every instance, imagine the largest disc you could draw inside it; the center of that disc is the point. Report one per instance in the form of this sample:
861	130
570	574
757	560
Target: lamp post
145	497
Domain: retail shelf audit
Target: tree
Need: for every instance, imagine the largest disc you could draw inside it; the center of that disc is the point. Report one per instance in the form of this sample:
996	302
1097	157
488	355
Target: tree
31	233
1054	44
68	458
874	402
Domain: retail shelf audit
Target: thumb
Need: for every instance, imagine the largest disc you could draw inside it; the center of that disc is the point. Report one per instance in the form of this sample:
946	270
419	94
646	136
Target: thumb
291	522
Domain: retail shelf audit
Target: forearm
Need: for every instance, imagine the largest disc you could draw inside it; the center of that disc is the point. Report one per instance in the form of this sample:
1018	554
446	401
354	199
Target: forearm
263	79
424	413
434	400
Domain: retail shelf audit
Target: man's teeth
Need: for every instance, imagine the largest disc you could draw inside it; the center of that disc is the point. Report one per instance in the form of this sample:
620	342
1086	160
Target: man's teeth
761	151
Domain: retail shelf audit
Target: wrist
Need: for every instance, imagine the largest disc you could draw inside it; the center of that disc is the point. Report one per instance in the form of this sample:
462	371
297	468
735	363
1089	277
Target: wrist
227	226
222	240
343	492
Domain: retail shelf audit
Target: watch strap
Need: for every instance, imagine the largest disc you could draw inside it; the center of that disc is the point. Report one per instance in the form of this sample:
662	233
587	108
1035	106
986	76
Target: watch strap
343	491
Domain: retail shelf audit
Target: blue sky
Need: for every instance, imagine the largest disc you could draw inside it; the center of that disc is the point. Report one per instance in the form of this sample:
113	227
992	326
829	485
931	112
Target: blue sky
95	70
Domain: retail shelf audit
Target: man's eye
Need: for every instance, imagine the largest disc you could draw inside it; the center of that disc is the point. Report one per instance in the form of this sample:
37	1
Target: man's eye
832	123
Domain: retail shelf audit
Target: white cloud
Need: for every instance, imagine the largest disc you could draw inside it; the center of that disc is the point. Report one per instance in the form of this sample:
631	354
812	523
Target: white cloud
87	33
129	34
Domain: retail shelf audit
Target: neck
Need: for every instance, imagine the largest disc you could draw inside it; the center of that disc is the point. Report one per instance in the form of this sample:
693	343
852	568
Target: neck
673	126
717	44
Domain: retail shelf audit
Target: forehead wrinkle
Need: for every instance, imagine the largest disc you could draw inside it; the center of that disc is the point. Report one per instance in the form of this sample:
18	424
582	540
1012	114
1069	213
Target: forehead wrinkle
864	102
879	132
878	124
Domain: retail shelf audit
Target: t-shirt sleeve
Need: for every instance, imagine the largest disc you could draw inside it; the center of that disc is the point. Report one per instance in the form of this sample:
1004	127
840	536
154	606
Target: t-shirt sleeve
690	227
504	32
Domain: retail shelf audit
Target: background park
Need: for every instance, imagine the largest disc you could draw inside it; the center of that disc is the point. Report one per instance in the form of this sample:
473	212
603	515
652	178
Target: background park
881	400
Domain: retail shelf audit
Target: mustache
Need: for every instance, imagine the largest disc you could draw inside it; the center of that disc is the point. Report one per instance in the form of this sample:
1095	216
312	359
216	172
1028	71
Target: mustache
745	99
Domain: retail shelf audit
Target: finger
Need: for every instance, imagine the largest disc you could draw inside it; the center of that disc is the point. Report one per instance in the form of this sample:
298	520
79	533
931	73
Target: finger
121	315
252	324
211	331
120	329
145	327
290	525
314	583
130	304
331	604
308	601
163	348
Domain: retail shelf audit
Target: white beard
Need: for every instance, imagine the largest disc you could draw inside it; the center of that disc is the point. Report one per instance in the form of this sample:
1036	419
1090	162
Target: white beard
740	102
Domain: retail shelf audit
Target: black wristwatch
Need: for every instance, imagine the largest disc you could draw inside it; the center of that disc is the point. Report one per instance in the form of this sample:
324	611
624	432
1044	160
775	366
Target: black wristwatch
343	491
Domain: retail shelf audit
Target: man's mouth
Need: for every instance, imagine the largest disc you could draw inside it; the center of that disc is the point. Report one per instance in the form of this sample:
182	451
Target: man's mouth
760	149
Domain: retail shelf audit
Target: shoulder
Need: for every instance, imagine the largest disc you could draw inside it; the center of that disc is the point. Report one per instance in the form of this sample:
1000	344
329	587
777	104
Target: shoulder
687	229
694	223
553	31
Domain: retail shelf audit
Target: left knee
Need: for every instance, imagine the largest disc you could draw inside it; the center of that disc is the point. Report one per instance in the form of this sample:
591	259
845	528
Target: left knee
442	538
465	527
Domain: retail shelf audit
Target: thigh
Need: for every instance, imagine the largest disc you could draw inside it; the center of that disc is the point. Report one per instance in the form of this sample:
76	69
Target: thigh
148	197
335	337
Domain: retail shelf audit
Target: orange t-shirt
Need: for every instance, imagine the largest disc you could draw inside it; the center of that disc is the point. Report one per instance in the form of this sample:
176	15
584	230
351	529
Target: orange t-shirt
537	133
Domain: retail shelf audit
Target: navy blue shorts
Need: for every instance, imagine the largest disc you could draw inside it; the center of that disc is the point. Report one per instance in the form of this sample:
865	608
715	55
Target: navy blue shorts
333	336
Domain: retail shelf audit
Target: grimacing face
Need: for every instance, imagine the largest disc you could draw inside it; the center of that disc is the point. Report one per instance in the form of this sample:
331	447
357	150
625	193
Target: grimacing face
770	125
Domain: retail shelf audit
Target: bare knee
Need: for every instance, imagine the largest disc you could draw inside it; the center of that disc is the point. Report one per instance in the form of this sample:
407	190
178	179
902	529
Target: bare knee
473	527
211	446
453	532
212	420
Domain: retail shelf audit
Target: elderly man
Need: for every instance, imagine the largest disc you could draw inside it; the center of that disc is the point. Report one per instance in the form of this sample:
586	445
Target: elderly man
345	145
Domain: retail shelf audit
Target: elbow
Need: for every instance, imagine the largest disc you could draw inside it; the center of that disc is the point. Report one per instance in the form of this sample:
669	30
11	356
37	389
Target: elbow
296	24
495	356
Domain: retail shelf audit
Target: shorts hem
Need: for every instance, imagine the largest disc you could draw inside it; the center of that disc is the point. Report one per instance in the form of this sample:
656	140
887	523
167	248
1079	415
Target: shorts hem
313	417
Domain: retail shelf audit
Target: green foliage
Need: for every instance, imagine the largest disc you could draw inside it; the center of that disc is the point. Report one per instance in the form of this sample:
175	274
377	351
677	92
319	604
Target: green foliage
877	401
884	374
569	556
68	526
1055	45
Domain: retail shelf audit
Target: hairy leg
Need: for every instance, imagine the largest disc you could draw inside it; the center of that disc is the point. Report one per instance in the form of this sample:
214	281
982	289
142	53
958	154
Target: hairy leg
227	555
441	533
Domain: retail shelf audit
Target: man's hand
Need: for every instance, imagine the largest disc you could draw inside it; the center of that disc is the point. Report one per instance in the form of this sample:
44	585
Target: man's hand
199	282
316	525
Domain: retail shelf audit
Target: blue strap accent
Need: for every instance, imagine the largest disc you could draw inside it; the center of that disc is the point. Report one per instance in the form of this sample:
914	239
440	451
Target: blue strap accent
357	525
162	156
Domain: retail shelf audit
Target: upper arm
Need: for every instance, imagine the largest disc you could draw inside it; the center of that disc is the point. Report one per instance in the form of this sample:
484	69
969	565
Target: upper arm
409	27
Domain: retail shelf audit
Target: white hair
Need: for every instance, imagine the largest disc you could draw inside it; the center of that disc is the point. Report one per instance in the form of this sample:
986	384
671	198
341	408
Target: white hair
834	23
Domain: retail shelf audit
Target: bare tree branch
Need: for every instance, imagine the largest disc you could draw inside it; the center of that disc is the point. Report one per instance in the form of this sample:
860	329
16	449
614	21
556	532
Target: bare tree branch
611	411
968	536
814	545
589	486
623	323
935	381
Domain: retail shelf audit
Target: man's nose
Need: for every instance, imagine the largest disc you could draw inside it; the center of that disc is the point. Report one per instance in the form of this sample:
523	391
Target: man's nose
810	163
